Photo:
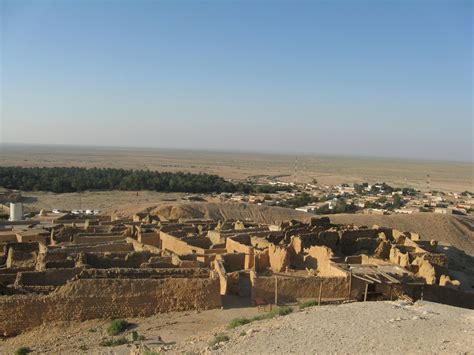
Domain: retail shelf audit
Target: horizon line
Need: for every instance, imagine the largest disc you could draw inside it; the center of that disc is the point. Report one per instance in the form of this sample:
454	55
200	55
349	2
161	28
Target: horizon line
242	151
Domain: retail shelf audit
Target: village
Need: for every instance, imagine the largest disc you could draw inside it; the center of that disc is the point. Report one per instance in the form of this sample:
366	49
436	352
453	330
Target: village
364	198
63	266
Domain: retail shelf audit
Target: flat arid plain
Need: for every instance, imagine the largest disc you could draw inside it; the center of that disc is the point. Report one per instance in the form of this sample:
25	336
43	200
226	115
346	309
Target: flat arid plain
363	327
445	176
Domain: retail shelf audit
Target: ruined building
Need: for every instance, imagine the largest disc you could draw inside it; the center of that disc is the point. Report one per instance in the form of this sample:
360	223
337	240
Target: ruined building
102	267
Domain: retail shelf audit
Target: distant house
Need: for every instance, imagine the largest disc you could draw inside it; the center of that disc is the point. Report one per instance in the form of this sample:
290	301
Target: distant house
440	210
309	208
375	211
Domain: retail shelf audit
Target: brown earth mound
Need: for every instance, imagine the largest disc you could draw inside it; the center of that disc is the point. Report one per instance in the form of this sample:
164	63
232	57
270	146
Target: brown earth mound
222	211
239	211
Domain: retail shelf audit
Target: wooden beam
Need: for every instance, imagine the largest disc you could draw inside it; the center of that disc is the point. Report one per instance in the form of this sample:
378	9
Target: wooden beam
373	279
391	278
362	278
276	290
350	286
320	292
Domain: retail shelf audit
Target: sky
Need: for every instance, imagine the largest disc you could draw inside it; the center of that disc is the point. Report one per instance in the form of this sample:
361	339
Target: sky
359	78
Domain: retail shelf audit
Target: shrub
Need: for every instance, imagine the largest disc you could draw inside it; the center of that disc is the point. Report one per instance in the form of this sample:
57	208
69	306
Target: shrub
281	311
237	322
113	342
136	336
277	311
219	338
22	351
310	303
83	347
117	326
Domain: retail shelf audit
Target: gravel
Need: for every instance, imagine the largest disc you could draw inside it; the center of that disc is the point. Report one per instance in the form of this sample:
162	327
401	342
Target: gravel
370	327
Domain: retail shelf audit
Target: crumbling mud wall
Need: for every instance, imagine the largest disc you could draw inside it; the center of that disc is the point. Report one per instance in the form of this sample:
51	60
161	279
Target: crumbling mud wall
232	261
8	236
235	246
279	257
319	258
113	260
221	272
351	241
22	255
150	238
291	289
175	245
50	277
93	239
262	260
107	298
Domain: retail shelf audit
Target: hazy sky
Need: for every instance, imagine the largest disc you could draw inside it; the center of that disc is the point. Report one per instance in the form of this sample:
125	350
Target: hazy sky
381	78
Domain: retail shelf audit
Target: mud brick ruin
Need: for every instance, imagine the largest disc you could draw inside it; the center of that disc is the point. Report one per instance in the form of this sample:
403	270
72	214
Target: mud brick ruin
64	268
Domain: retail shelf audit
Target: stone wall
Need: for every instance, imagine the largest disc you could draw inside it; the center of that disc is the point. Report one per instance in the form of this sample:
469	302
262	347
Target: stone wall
107	298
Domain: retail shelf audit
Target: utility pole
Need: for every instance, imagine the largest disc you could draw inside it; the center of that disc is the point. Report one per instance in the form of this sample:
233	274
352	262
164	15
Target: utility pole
295	171
320	297
428	186
276	290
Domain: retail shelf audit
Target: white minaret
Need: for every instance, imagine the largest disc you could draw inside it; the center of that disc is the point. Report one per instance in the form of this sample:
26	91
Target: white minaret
16	212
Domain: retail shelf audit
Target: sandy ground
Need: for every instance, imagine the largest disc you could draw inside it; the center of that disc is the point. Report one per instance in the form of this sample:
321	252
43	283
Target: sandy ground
370	327
97	200
455	176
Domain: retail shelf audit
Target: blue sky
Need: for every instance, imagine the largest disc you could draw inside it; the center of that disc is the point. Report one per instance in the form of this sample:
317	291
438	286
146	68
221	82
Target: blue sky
370	78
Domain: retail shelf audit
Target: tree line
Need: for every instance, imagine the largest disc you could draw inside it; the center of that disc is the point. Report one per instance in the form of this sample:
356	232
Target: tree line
75	179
